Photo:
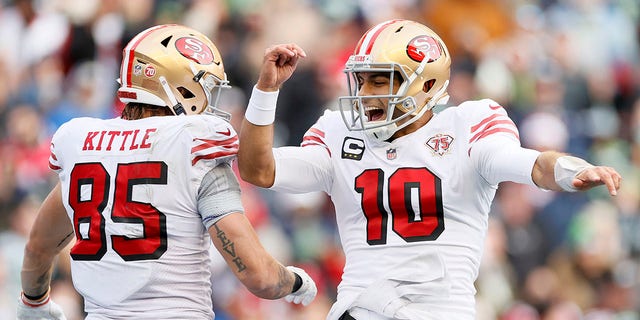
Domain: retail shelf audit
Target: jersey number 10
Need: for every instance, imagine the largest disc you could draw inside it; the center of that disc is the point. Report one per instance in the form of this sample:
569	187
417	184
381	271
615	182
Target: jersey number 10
415	202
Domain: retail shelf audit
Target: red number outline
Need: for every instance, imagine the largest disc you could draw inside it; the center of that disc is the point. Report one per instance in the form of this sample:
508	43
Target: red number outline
430	219
95	175
124	210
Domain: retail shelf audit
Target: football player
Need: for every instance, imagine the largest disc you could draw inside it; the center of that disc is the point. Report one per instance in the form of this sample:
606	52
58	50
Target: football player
412	188
143	196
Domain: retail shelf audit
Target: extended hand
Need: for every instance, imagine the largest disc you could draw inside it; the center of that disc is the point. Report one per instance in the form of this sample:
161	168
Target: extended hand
306	293
278	65
598	175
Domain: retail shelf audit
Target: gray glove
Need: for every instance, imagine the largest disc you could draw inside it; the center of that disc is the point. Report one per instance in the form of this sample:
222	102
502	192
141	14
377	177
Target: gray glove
46	310
306	293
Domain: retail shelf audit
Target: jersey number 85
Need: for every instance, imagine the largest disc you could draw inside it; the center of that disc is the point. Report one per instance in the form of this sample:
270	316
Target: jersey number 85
89	192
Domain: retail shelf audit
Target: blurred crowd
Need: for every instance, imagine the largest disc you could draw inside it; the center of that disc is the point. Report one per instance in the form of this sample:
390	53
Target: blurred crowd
567	72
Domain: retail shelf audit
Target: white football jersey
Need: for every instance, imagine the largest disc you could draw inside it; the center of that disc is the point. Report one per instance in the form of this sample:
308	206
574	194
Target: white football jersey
130	188
414	210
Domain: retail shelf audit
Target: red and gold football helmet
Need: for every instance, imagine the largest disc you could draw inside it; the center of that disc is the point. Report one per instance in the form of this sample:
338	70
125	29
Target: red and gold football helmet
398	47
174	66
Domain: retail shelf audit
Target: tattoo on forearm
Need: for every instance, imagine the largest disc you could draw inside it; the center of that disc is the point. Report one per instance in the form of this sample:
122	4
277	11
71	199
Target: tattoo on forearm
64	240
229	247
42	282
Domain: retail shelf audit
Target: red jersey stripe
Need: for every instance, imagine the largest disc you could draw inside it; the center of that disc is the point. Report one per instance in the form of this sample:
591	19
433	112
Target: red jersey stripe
53	166
210	143
214	155
307	144
485	120
490	125
312	139
316	131
487	133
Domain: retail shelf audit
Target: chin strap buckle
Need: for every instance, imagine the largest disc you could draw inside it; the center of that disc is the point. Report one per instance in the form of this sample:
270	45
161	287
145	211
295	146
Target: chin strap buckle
178	109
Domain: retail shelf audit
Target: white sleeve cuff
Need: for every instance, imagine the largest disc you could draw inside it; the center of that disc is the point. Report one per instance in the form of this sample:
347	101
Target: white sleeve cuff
261	110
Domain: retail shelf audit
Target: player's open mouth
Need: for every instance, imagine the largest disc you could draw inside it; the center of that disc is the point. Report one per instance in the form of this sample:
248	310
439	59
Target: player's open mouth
374	114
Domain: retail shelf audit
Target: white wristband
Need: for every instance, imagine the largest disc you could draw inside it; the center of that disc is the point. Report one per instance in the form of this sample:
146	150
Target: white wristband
261	110
566	169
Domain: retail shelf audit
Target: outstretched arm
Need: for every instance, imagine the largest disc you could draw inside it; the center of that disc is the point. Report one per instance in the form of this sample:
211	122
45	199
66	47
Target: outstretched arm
255	158
561	172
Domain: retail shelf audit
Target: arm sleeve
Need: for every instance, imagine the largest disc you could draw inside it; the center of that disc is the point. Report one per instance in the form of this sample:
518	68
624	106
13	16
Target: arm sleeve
502	159
302	169
219	195
494	144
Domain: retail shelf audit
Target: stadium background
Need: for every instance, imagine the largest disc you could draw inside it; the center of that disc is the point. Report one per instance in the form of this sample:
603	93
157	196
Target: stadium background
567	71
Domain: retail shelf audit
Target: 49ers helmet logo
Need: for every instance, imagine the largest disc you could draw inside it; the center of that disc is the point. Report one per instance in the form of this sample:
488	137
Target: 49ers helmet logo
423	47
195	50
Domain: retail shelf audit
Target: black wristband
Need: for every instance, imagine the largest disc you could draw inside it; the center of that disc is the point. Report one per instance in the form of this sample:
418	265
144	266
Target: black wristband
297	284
35	298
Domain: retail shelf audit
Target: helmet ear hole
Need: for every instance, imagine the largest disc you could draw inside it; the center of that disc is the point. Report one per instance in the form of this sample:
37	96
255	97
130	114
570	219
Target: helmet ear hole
428	85
194	108
165	42
186	93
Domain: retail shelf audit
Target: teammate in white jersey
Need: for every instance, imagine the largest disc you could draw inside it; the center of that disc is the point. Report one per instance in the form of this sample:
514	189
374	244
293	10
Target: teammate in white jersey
145	194
412	188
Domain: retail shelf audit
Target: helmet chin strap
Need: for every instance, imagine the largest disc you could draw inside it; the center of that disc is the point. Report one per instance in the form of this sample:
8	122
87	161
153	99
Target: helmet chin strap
177	106
440	97
385	132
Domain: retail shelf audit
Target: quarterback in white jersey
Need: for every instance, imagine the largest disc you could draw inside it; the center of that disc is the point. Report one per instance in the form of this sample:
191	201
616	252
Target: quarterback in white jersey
411	188
413	210
147	193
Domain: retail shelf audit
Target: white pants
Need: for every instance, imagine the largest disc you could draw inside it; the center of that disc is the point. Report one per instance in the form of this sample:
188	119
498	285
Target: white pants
413	312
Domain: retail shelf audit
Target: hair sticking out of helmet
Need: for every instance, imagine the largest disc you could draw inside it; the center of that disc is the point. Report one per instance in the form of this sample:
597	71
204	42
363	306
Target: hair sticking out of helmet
173	66
401	48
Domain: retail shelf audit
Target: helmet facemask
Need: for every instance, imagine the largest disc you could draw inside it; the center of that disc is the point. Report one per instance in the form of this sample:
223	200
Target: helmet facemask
355	116
409	52
212	86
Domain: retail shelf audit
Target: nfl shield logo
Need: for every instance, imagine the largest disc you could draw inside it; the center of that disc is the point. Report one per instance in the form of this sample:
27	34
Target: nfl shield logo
391	154
137	69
